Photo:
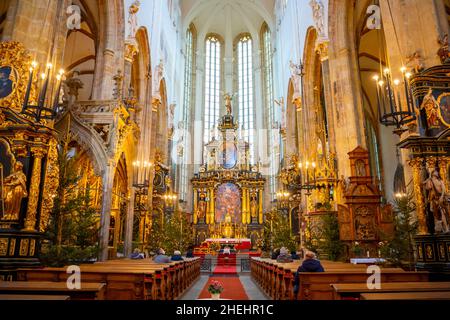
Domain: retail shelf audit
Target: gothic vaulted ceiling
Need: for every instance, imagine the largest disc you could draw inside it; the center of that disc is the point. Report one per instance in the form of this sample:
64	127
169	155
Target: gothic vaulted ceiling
227	17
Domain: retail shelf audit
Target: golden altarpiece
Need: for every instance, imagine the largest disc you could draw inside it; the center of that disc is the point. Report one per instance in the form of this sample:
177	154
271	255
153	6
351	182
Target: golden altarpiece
28	163
429	160
228	190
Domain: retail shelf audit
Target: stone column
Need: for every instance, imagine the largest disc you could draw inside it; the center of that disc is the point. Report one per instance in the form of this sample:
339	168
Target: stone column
131	51
129	222
416	165
33	193
108	181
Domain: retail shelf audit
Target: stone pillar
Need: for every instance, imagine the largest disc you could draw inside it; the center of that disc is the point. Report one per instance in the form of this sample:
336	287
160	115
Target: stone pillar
416	165
131	50
108	181
33	194
129	222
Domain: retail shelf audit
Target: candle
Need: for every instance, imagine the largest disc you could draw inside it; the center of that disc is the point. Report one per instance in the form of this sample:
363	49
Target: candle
30	82
368	254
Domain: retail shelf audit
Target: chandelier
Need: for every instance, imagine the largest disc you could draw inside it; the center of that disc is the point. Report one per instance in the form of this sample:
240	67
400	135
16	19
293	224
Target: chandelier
40	110
391	90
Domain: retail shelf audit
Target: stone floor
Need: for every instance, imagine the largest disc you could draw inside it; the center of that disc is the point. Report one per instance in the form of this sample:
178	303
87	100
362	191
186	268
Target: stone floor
252	290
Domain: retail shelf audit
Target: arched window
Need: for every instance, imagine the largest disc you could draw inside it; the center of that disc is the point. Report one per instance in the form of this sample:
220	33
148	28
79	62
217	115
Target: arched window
245	90
212	85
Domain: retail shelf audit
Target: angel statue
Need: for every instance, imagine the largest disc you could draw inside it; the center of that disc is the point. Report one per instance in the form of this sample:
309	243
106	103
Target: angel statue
443	52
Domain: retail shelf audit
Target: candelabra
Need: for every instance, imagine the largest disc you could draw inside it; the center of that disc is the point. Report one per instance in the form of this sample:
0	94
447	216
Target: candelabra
141	183
40	110
390	109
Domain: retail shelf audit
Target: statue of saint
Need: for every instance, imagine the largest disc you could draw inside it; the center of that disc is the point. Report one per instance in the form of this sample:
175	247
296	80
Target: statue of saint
431	109
254	207
201	208
228	99
436	202
443	52
15	189
212	160
132	19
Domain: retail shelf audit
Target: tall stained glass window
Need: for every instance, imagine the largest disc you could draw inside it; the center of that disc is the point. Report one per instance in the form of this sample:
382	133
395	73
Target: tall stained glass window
212	85
245	90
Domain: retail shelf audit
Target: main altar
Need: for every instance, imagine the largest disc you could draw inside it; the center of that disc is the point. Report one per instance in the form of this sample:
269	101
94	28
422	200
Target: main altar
228	189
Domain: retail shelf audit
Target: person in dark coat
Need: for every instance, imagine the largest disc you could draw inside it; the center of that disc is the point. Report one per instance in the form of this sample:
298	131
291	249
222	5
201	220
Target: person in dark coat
177	256
275	254
309	264
190	252
295	256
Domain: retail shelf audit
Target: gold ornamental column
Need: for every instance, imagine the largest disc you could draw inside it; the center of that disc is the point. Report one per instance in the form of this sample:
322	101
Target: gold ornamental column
195	206
244	205
212	207
208	205
30	220
261	218
416	165
249	215
443	171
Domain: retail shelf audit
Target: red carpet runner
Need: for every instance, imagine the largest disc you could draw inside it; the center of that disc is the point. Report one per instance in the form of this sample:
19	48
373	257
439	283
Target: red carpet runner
233	289
226	264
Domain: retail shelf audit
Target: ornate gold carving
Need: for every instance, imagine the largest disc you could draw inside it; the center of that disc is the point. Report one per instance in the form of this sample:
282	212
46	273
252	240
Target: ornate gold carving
15	189
416	165
3	246
322	50
17	62
30	221
32	247
50	185
12	246
131	50
429	251
24	243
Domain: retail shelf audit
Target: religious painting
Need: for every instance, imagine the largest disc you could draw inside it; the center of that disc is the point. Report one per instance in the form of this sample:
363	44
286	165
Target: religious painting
228	203
444	108
230	155
8	79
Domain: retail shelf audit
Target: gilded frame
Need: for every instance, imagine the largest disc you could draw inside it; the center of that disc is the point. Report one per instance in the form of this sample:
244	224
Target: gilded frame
444	95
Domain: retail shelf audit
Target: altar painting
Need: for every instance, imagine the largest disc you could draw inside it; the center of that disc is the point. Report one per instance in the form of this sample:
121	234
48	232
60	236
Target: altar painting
228	203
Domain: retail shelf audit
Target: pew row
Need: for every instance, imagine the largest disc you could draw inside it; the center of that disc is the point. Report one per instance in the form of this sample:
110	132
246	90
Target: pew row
354	291
128	279
276	279
88	291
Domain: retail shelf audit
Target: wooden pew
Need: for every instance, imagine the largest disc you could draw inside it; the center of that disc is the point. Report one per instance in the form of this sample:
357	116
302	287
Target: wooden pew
276	279
88	291
129	279
19	297
407	296
354	290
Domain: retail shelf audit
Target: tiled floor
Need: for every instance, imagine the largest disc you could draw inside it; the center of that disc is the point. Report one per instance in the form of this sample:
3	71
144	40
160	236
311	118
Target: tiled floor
252	290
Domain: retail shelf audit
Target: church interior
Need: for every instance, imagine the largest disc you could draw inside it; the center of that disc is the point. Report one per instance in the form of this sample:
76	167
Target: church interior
246	136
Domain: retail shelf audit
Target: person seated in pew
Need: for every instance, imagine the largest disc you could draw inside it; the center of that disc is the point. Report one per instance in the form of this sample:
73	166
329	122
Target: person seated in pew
284	256
137	254
295	255
190	252
275	254
161	257
177	256
309	264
